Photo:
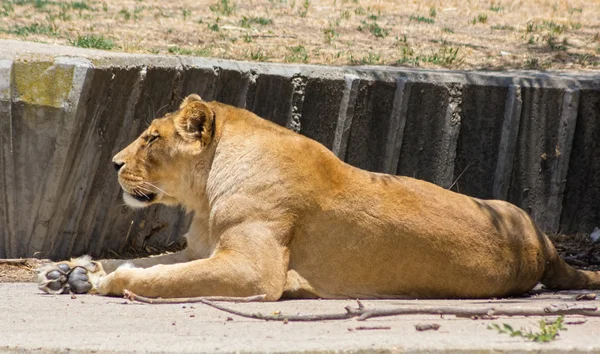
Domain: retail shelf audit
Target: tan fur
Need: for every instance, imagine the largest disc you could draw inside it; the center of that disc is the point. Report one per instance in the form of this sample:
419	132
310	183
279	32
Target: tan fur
277	213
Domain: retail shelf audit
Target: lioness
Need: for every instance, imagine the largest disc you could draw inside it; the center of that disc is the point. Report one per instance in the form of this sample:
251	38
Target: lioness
277	213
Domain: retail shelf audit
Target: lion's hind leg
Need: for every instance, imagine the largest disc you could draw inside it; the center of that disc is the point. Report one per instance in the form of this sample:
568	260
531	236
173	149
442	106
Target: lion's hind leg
79	276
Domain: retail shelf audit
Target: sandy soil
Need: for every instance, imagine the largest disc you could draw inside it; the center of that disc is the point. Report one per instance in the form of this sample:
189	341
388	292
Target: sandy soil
502	34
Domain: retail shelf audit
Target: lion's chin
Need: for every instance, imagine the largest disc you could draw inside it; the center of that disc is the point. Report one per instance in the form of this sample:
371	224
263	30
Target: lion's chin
138	202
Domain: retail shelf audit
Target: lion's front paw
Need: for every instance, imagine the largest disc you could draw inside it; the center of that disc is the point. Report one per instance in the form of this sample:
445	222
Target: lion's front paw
77	276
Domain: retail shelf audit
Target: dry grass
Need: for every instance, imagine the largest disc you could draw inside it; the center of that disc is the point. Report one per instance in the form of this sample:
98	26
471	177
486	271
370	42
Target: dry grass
503	34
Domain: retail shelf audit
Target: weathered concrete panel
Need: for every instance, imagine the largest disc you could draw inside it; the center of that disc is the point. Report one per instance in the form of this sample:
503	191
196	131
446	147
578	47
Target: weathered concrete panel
581	206
539	155
371	123
321	108
431	133
272	98
480	133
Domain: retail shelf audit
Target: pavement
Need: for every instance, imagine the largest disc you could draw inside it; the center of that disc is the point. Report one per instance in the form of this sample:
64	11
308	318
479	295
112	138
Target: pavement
36	322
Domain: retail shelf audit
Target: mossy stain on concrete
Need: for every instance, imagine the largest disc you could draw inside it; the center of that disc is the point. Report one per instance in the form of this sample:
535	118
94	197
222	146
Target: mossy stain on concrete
43	83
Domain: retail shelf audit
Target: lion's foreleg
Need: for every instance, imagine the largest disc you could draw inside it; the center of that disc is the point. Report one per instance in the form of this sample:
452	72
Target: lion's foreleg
110	265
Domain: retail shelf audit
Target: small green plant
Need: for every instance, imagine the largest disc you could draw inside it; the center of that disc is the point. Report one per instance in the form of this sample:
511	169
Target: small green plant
495	7
481	18
305	6
93	41
224	7
180	51
374	28
247	38
576	25
185	12
215	26
447	30
330	33
258	55
34	28
346	15
80	5
247	22
503	28
553	44
7	9
297	54
432	12
126	14
573	10
369	59
360	11
422	19
548	330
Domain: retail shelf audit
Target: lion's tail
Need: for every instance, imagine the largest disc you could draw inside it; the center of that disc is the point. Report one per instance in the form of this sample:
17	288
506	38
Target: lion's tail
561	276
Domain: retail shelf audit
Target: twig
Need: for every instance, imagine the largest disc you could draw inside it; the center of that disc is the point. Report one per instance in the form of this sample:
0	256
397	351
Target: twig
362	313
15	262
185	300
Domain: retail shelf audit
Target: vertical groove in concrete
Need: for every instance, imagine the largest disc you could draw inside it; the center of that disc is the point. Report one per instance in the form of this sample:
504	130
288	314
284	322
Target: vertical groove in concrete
508	142
393	143
345	116
298	94
558	178
6	148
106	226
450	138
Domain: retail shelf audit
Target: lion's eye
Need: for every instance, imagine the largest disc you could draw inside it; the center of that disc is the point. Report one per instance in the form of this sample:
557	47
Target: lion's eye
152	139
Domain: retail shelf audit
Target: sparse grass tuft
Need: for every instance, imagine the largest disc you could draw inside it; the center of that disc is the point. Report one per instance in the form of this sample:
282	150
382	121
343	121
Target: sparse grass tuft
481	18
548	330
496	7
304	10
446	56
247	22
423	19
223	7
330	33
93	41
374	28
298	54
503	28
34	28
447	30
258	55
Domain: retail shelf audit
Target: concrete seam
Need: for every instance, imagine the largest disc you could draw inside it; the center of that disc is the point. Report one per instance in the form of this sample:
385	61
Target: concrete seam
564	145
450	137
396	129
7	232
297	101
508	142
345	116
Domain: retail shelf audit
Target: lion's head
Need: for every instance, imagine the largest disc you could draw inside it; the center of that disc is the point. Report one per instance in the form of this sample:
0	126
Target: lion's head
151	168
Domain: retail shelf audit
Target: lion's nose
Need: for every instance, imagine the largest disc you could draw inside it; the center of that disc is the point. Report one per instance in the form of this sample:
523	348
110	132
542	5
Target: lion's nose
118	165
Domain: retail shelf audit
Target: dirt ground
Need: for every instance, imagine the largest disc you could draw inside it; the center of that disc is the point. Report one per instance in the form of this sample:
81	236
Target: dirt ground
577	250
497	34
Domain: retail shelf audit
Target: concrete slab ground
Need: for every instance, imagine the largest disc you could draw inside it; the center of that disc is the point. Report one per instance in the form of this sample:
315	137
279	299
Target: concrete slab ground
31	321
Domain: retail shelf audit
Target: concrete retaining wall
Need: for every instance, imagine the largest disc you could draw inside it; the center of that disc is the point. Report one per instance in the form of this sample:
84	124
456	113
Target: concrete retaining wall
526	137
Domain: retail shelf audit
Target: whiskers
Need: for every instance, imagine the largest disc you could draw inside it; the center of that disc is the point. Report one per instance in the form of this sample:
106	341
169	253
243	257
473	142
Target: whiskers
155	187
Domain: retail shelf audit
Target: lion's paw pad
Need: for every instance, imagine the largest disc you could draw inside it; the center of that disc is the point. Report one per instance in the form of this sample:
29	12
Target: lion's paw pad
62	278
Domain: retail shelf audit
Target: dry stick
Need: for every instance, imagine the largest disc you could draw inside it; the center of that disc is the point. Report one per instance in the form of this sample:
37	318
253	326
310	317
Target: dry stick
19	261
185	300
362	313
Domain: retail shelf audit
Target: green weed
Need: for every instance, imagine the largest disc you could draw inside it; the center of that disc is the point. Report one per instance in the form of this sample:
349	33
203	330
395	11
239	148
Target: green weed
93	41
297	54
224	7
374	28
35	28
247	22
422	19
547	331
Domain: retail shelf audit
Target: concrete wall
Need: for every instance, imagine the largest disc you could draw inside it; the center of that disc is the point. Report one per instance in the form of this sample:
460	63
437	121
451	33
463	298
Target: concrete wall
526	137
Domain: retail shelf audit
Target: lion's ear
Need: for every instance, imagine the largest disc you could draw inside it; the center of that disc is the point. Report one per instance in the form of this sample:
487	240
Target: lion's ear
189	99
195	121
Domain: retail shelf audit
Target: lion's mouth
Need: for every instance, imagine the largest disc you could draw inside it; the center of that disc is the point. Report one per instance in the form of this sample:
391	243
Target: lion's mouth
145	197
